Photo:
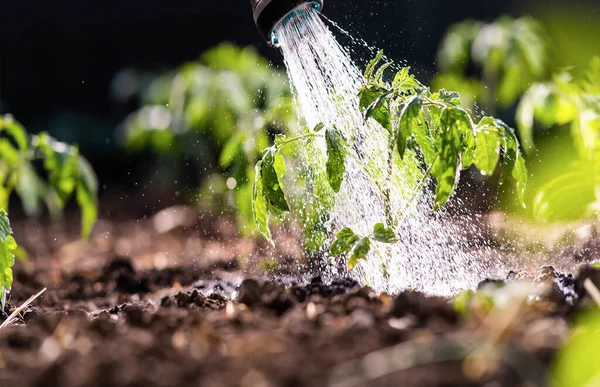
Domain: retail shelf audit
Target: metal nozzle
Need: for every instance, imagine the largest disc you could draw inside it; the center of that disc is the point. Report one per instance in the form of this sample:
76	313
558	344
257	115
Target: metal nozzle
269	13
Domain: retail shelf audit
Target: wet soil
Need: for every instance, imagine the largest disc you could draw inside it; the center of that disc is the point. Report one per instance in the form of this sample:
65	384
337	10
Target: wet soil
141	304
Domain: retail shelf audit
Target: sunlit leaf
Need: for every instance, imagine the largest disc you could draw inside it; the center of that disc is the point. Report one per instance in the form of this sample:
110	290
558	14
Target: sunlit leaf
7	260
449	146
371	66
344	241
360	251
384	234
487	151
272	171
379	110
336	157
259	205
408	121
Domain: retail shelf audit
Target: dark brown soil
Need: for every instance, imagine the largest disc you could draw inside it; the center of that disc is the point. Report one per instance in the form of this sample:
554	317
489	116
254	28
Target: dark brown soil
141	306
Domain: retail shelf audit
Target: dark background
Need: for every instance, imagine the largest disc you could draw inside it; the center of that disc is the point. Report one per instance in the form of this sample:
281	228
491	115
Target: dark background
57	58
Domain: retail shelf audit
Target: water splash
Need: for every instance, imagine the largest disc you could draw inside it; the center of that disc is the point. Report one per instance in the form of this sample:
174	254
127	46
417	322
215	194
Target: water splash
436	254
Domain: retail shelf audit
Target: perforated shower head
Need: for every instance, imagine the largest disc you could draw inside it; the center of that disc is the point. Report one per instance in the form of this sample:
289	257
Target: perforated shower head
269	13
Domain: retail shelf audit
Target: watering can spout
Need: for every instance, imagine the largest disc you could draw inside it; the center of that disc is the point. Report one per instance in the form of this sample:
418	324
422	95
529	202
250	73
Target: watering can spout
269	13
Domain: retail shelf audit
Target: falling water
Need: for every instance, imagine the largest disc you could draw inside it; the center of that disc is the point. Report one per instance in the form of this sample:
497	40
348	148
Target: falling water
435	253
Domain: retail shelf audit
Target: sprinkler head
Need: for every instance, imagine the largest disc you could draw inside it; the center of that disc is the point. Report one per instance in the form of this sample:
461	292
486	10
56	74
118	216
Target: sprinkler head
269	13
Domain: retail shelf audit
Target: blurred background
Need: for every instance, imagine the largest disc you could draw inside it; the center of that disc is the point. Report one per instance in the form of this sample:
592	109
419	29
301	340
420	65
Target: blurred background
63	63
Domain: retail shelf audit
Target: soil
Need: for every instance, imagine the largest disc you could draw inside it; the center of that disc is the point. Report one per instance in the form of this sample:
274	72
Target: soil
144	304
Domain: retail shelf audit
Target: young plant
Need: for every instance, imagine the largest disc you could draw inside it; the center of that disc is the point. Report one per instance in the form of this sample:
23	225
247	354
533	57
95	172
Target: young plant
217	115
68	174
432	125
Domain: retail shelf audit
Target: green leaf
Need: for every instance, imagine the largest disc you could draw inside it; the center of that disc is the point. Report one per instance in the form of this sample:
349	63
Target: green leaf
360	251
409	120
449	144
272	171
524	118
401	77
336	158
232	150
7	259
384	234
519	173
487	152
379	74
379	110
451	97
371	66
30	188
16	131
319	127
259	205
344	242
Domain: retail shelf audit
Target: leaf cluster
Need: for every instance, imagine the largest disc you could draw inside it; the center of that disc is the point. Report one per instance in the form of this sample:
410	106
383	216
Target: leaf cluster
509	54
358	246
445	134
65	173
218	113
567	101
269	195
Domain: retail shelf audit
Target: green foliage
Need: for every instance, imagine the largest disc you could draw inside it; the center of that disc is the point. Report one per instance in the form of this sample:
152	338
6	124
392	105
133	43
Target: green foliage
7	259
218	113
336	157
358	247
431	125
577	362
437	127
68	174
508	55
573	102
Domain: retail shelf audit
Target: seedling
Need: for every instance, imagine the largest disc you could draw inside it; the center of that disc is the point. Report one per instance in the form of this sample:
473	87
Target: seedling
432	125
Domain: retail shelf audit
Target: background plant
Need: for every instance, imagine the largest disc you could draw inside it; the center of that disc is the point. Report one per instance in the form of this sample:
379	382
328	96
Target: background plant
493	63
64	173
215	114
570	102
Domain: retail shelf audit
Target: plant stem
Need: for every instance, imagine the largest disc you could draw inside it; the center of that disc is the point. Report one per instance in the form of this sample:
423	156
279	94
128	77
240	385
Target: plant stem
297	138
389	217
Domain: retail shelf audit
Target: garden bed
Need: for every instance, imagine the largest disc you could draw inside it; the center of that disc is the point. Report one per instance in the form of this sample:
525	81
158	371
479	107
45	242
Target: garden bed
139	305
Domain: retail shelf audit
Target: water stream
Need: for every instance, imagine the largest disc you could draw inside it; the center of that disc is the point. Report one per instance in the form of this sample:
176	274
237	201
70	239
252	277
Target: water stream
436	253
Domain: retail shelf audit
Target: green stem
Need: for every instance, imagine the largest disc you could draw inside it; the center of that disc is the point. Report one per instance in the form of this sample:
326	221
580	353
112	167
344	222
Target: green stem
297	138
389	217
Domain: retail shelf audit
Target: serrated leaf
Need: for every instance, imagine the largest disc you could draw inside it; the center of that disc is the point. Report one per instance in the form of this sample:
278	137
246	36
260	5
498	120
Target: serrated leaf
336	158
259	205
449	145
272	171
371	66
319	127
384	234
379	74
360	251
379	110
409	120
451	97
487	152
344	242
401	77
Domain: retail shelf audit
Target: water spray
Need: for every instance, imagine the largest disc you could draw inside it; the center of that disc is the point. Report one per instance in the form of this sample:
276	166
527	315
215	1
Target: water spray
268	14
